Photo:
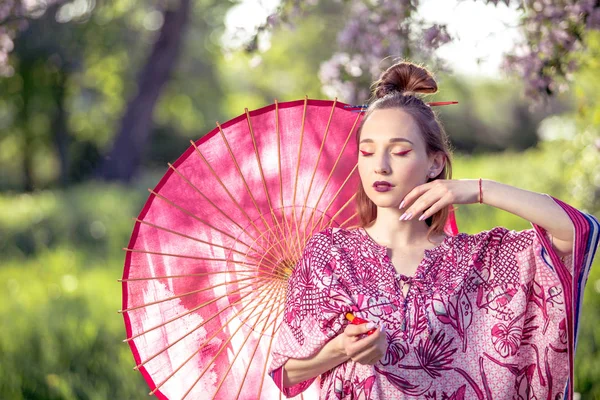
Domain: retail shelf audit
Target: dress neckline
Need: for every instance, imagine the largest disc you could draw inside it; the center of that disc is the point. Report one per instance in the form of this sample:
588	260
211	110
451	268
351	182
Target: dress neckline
370	240
429	254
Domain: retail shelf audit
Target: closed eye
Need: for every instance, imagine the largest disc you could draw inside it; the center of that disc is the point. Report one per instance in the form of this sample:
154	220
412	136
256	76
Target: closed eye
402	153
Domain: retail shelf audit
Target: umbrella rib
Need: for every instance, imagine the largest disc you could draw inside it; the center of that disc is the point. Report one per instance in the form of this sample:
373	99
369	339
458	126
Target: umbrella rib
275	325
197	307
338	212
298	170
207	199
185	294
192	215
262	175
276	275
223	185
279	312
227	342
196	218
266	320
158	253
331	173
189	237
295	248
196	328
348	220
312	178
268	352
185	276
202	346
244	180
319	221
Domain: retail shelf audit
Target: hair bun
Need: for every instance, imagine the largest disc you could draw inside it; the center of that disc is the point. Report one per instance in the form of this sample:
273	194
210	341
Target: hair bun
406	78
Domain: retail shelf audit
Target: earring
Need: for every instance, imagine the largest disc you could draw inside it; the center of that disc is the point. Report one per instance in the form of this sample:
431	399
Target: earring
431	174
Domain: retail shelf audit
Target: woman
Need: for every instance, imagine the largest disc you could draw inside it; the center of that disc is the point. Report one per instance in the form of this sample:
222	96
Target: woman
489	315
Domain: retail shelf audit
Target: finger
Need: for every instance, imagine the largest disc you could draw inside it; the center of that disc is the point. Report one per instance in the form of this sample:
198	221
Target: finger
414	194
427	199
357	330
434	208
364	343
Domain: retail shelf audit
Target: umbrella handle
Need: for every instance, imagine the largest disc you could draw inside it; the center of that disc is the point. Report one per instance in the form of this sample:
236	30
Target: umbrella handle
357	321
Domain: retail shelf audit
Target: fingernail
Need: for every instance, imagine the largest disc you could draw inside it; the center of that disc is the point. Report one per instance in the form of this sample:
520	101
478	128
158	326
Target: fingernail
407	217
402	217
382	328
402	204
371	325
422	217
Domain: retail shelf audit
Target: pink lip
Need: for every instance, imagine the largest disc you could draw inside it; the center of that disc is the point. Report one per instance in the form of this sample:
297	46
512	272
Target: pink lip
382	184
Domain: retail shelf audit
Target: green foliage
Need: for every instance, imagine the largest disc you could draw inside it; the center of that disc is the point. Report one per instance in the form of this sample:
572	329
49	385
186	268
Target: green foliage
60	333
90	220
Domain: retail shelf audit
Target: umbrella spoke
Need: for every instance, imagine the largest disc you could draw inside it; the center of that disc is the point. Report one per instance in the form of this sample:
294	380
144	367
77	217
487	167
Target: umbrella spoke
197	307
200	325
339	212
244	180
188	236
212	171
339	157
193	216
187	294
298	170
264	372
262	175
312	178
185	276
208	200
206	259
205	343
266	320
320	220
248	255
296	249
348	220
158	253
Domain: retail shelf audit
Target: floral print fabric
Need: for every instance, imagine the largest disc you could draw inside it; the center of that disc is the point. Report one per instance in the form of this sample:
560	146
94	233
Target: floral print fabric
485	315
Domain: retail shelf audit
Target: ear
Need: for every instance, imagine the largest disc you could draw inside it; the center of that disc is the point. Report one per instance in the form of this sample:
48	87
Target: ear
437	162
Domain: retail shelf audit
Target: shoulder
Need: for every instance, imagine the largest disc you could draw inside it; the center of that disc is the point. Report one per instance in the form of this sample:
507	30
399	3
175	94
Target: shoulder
495	238
331	237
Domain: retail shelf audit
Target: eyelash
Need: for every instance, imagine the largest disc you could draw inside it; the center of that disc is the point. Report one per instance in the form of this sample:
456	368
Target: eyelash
364	153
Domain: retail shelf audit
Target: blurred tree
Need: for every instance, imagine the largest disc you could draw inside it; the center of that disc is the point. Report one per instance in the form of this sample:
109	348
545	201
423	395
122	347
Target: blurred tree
125	155
85	71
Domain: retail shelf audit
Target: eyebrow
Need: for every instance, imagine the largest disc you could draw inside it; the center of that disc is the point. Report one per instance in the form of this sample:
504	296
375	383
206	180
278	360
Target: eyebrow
392	140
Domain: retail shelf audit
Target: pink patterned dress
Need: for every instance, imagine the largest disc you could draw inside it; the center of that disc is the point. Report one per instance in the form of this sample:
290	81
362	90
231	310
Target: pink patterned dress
491	315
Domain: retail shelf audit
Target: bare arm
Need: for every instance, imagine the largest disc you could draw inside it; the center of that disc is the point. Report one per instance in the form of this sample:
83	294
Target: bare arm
538	208
535	207
351	344
330	356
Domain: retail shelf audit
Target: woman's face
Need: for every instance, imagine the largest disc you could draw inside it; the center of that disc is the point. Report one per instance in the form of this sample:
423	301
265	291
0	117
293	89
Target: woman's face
391	150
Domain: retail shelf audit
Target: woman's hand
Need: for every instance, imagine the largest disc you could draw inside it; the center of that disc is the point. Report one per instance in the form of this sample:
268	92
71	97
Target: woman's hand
429	198
362	348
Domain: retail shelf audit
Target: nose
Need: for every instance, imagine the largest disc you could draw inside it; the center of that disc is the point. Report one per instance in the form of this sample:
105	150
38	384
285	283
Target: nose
382	166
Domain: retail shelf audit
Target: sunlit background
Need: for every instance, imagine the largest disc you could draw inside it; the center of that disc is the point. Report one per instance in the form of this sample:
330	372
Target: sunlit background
97	96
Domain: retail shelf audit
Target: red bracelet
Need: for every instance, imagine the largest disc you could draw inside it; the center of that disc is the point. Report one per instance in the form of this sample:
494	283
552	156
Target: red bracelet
480	193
